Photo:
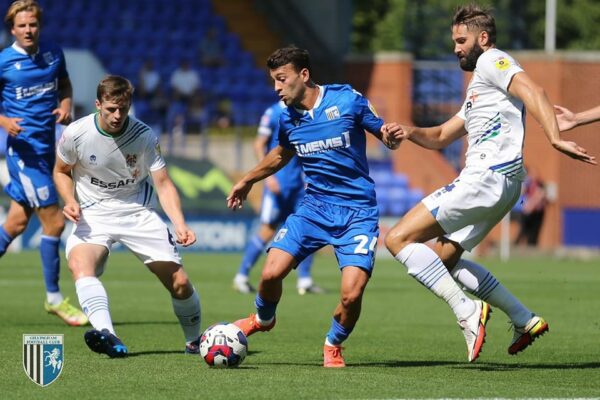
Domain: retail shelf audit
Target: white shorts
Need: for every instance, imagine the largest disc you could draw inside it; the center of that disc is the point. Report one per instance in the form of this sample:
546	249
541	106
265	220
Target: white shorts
142	232
473	204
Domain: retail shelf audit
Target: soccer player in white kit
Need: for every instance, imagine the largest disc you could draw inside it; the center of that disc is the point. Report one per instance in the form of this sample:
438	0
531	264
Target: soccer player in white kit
461	214
103	168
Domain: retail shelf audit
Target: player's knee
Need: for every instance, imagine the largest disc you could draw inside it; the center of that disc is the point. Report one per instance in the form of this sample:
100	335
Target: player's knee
16	225
351	297
273	272
396	239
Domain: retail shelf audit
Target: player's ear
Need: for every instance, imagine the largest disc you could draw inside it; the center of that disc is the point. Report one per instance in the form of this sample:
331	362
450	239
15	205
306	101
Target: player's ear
483	38
98	104
305	74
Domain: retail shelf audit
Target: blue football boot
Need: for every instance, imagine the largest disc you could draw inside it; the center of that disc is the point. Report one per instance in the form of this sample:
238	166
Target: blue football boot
104	342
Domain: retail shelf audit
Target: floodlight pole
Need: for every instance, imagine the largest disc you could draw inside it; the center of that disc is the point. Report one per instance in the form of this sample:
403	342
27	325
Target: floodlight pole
550	38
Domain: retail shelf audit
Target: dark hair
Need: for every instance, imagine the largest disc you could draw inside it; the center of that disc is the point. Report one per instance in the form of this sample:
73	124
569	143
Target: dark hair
476	19
22	5
114	88
298	57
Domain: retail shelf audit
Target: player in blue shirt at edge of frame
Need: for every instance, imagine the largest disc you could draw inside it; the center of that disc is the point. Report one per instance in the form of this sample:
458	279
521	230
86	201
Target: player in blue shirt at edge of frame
36	94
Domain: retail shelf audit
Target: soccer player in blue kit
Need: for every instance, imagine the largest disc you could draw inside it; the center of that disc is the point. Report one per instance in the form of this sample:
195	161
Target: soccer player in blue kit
282	194
324	126
36	94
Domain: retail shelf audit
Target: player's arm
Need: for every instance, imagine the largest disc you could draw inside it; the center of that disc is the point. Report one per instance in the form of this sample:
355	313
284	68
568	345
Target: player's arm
260	146
171	205
63	181
536	101
567	119
276	159
435	137
65	102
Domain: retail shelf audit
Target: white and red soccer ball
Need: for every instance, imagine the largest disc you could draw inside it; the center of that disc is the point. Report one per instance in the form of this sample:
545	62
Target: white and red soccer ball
223	345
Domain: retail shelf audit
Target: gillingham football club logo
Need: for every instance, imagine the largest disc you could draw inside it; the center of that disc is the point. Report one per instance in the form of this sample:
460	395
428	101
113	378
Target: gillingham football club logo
49	58
43	357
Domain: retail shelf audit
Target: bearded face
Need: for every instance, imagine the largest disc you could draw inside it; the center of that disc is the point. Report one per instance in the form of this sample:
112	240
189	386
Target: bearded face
468	61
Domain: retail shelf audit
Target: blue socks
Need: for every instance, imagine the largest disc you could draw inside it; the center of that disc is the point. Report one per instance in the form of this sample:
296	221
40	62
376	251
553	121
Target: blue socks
337	333
50	262
253	250
5	241
265	309
304	267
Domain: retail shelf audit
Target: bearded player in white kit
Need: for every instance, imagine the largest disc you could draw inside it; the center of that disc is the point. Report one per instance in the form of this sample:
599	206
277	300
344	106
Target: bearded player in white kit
461	214
103	165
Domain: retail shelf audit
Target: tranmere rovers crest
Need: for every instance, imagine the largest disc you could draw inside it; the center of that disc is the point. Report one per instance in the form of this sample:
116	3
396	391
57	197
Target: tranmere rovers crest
43	357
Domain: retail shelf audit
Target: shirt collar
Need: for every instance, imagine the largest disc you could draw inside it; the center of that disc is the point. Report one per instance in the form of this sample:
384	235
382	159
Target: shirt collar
317	103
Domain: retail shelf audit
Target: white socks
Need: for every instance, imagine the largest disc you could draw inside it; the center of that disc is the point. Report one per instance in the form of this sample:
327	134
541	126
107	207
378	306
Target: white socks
425	266
481	283
94	302
54	298
188	314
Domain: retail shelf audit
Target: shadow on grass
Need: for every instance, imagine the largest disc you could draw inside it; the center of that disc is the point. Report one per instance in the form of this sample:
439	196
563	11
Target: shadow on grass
540	366
154	352
178	352
377	364
125	323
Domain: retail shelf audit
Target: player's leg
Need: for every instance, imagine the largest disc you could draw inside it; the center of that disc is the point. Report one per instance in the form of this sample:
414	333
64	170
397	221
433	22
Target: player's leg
85	260
346	314
185	300
16	222
277	266
355	252
406	242
149	238
477	280
53	224
254	248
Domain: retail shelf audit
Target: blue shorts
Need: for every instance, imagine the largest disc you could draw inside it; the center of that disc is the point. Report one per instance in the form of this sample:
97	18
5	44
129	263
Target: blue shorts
352	232
31	182
275	208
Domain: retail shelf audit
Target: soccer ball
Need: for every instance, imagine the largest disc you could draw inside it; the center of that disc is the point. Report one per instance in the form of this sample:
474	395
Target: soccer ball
223	345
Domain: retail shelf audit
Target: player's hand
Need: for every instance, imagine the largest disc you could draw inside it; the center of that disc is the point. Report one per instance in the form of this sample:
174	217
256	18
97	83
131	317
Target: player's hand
185	236
575	151
273	184
238	194
62	116
392	135
11	125
565	118
72	211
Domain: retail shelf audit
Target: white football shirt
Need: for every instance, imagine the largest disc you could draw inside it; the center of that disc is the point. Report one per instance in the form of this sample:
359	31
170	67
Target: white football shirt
494	120
111	173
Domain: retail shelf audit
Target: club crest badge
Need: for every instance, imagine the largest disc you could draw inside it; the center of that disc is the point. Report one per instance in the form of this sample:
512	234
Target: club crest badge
131	160
280	235
43	357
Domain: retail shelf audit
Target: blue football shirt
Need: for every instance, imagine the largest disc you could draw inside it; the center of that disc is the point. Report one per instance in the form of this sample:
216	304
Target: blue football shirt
330	143
29	90
289	177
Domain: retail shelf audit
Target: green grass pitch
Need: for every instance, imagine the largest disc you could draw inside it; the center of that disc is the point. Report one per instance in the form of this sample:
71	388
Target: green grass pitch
406	344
